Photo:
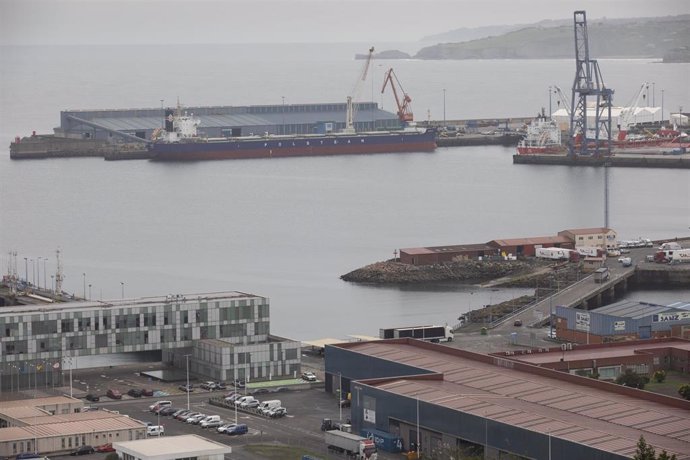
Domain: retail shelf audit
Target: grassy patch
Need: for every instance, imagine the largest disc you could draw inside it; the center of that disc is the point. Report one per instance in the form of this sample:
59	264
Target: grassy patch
278	452
669	387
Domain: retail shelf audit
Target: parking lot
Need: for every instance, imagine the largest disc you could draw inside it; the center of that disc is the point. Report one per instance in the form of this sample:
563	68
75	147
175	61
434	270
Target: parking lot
307	405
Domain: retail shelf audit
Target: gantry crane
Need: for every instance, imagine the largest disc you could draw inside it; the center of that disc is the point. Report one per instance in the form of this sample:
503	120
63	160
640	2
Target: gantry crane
404	109
588	82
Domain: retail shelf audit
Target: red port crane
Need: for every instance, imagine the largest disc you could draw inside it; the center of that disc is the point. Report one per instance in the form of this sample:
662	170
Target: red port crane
404	109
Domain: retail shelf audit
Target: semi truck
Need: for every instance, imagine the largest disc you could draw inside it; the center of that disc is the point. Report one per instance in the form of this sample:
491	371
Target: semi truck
350	444
557	254
428	333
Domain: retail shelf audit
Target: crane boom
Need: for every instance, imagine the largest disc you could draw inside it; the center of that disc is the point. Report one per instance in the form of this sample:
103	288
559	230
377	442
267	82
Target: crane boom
350	111
628	113
404	109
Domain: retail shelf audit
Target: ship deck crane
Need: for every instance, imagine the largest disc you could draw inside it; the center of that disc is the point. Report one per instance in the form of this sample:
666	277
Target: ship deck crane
350	114
588	83
404	109
628	113
562	100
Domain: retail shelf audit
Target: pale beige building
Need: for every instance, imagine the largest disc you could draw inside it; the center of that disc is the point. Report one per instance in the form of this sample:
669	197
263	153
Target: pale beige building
600	237
57	425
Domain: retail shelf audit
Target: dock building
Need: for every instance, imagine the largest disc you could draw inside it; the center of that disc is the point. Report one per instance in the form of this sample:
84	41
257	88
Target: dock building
604	238
227	335
446	400
188	446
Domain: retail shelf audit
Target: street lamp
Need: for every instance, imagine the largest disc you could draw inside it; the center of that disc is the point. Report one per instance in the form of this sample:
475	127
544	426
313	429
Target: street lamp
33	272
187	357
283	122
122	284
89	291
444	107
45	279
84	277
38	272
26	271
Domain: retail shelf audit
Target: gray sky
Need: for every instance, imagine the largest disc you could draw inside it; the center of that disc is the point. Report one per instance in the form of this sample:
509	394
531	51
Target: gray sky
270	21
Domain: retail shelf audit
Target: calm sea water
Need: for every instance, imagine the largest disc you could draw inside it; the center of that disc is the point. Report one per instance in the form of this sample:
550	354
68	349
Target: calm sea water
288	228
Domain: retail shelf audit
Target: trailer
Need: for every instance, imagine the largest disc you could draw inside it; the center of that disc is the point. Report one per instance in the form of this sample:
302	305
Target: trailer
427	333
680	256
590	251
351	445
556	254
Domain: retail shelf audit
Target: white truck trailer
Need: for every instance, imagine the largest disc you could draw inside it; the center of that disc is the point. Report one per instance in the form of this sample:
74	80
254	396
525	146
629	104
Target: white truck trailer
351	445
556	254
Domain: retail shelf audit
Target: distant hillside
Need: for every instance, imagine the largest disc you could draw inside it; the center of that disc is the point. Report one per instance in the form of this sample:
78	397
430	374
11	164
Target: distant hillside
630	38
466	34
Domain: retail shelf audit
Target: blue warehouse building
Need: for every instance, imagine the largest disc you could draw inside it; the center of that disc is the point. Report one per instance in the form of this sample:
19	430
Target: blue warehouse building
450	400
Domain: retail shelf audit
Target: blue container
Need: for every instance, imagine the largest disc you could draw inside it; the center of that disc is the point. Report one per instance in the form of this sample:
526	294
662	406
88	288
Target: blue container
384	441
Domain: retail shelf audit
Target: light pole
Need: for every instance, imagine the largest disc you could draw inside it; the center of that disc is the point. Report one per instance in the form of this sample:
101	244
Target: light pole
84	277
340	395
653	94
187	358
444	107
89	291
26	271
122	284
38	272
45	279
33	272
52	283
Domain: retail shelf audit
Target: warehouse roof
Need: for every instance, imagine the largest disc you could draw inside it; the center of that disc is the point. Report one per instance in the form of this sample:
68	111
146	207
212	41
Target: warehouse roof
532	240
636	309
617	350
602	415
185	446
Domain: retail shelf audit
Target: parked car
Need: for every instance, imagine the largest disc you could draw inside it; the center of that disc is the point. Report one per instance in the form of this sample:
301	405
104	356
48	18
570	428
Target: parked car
224	427
250	404
209	386
212	421
220	385
183	415
196	419
83	450
277	412
155	430
309	376
237	429
186	417
105	448
113	394
239	383
27	455
158	404
146	392
92	397
186	388
260	391
134	393
167	410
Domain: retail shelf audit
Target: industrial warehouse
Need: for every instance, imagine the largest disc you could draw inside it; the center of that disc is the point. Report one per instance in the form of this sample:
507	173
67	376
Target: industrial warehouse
442	400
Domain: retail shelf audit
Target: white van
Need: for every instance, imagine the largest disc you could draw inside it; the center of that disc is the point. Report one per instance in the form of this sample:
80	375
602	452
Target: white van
266	406
155	430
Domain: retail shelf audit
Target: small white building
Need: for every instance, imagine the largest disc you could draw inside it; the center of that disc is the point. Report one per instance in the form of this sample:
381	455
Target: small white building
172	448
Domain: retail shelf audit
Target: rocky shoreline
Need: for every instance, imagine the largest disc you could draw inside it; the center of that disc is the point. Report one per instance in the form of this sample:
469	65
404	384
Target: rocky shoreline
505	273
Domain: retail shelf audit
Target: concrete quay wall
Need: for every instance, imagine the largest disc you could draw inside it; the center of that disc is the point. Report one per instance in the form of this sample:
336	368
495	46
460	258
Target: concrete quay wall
630	160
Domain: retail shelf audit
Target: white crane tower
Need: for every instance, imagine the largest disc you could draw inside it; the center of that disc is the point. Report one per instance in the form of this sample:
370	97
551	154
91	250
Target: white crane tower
350	114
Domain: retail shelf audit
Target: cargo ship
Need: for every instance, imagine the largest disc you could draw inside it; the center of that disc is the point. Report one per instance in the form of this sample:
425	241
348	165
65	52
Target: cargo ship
179	141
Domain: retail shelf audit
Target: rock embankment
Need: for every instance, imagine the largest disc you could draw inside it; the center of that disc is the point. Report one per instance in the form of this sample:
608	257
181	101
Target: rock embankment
466	271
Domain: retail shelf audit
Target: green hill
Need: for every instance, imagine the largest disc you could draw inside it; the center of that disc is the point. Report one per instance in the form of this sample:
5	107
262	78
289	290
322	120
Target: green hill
642	38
